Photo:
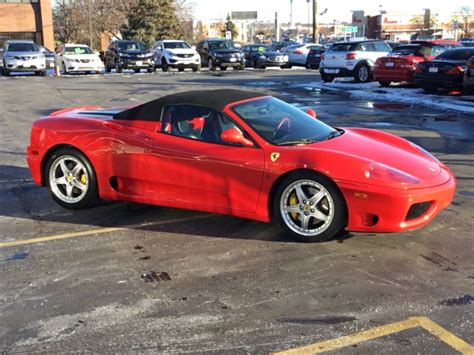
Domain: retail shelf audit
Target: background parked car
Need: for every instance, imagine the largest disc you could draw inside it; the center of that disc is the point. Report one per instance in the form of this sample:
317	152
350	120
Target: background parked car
467	42
129	54
73	58
175	54
220	53
469	75
314	56
400	64
260	56
50	56
446	71
447	43
24	56
356	59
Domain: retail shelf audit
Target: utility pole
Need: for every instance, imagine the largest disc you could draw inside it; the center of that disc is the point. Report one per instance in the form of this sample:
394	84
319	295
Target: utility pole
315	22
90	22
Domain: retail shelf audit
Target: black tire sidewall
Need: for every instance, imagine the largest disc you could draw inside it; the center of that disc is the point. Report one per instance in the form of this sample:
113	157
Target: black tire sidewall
339	221
92	197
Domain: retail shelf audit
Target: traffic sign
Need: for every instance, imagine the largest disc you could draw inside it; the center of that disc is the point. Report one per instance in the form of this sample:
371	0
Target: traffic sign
349	29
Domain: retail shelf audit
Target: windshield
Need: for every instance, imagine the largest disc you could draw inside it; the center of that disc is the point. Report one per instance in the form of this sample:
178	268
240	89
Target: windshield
262	49
22	47
282	124
77	50
130	46
174	45
221	45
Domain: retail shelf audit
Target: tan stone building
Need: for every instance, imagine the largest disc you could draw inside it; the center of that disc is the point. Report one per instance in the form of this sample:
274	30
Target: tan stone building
27	19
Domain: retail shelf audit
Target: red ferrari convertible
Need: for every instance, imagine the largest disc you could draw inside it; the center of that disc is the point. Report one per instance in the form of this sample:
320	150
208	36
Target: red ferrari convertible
240	153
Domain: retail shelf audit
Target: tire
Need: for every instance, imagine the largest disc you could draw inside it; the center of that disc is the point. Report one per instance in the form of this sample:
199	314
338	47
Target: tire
326	78
43	73
150	70
255	64
197	68
136	71
67	193
210	64
385	83
321	198
308	66
223	68
108	69
181	69
164	65
118	68
362	73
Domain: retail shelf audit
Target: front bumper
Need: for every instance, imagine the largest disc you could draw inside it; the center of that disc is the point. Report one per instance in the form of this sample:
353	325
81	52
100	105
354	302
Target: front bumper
25	65
378	209
145	63
228	62
81	67
177	62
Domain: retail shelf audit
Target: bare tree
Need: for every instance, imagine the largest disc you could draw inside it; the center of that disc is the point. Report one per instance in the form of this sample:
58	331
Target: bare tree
465	20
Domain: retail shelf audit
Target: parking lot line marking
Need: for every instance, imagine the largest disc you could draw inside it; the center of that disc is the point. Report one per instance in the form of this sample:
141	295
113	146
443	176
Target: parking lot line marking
355	338
94	232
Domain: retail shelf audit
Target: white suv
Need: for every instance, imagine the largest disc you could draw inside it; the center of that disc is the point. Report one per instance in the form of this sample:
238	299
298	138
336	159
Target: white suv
356	59
21	56
78	58
175	54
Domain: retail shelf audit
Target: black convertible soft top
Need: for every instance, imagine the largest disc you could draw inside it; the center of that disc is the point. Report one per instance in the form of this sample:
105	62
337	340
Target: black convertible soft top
215	99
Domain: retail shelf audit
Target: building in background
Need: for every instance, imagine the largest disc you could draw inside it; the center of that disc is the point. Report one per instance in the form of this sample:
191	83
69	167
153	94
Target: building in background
27	19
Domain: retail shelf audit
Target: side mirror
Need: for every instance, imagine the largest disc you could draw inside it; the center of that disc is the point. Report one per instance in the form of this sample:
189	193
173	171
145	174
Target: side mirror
311	112
234	136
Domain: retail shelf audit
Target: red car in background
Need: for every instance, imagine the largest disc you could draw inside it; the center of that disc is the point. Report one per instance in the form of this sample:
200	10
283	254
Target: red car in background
401	63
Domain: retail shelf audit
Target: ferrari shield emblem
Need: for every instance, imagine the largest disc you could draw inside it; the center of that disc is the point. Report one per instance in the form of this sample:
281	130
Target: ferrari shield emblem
274	156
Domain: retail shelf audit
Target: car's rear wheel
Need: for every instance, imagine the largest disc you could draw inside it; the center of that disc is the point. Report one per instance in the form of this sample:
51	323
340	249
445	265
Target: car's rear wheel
309	207
71	180
362	73
6	72
181	69
385	83
326	78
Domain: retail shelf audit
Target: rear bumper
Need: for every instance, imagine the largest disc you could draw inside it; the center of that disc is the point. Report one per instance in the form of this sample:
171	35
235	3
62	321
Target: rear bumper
439	81
396	75
369	211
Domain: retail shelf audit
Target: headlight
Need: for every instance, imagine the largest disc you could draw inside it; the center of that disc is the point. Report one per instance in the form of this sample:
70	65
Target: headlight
381	172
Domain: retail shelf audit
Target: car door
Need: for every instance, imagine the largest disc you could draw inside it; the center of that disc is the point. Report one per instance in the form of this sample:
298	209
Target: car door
193	166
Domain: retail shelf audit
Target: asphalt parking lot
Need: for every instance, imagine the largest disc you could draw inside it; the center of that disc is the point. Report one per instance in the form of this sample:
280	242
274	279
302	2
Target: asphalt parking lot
83	281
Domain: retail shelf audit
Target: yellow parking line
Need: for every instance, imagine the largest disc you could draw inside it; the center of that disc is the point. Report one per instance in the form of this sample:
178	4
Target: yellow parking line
355	338
93	232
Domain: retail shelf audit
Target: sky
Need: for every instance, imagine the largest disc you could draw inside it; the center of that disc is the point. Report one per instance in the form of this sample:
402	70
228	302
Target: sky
339	10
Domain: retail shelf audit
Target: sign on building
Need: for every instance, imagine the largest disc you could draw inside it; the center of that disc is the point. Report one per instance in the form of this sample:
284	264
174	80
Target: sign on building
243	15
349	29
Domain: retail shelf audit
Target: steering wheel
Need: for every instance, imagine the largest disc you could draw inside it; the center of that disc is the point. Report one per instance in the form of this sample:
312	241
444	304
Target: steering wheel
282	129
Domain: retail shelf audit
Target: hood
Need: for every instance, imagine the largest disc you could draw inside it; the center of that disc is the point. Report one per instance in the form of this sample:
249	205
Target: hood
182	51
21	54
140	51
225	51
81	56
373	150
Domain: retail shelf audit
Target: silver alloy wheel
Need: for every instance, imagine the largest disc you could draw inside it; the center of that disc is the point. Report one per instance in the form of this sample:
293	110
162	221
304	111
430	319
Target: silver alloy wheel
307	207
68	179
363	73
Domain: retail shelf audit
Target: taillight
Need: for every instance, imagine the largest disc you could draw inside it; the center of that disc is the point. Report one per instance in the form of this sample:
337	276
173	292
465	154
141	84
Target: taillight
323	56
298	51
455	70
350	56
407	64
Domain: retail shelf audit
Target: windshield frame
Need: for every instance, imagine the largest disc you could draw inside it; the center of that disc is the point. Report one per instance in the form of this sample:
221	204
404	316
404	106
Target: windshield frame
140	45
34	47
290	140
182	45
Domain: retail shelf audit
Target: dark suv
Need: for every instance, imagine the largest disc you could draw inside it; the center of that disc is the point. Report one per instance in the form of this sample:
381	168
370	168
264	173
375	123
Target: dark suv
220	53
128	54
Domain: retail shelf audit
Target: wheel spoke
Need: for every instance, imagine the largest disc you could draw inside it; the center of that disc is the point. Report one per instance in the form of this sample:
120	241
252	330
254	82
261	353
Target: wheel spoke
69	190
64	168
300	194
76	170
79	185
319	215
60	181
304	221
317	197
293	209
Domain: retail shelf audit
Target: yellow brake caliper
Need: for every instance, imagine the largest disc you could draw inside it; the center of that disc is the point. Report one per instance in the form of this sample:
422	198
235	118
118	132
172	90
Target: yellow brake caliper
83	179
293	201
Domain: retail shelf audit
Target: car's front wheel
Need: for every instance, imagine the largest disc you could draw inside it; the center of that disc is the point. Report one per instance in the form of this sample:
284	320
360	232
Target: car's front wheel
71	180
309	207
326	78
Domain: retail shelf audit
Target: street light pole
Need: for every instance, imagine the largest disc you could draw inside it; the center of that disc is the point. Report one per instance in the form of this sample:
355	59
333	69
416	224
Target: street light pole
90	22
315	22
